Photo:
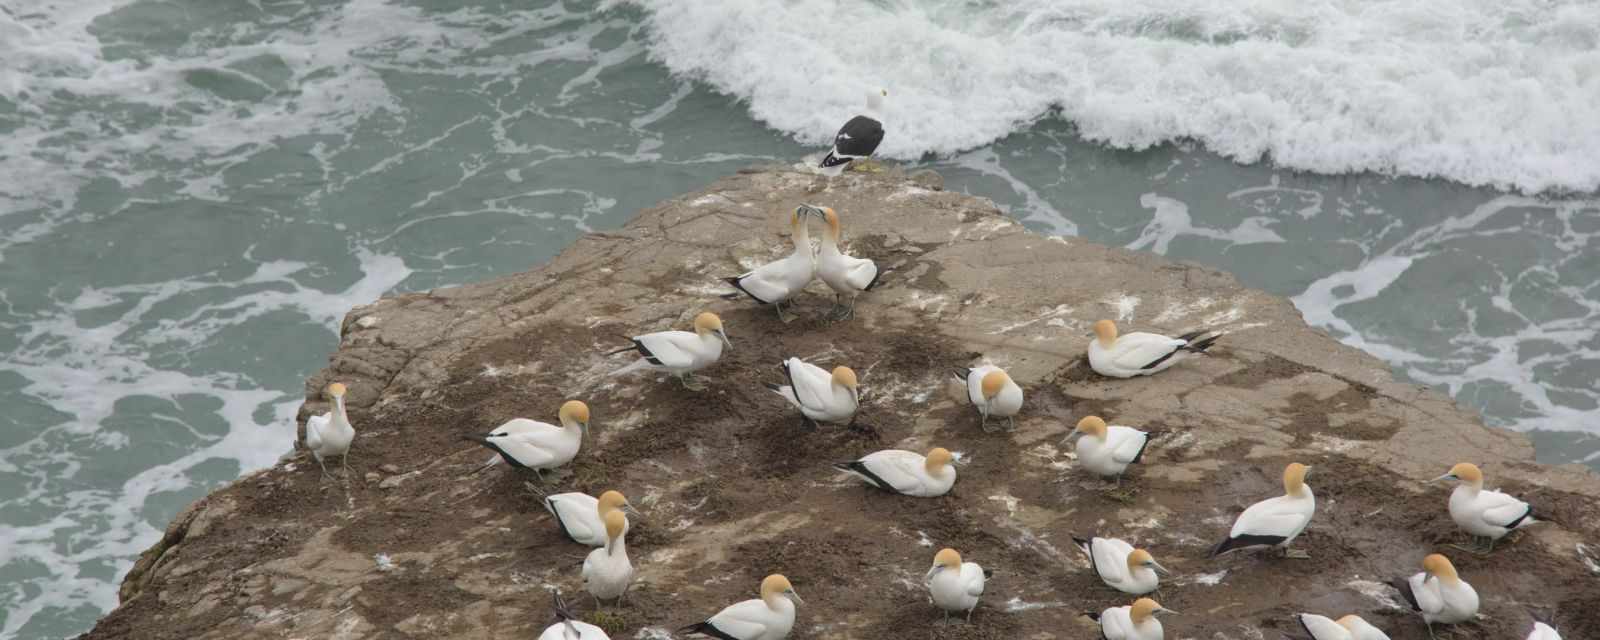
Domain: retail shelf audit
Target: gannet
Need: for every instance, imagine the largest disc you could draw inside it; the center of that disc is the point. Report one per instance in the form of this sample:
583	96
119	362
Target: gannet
777	281
1139	353
1350	627
1439	593
820	395
582	517
1483	513
768	618
569	627
680	353
330	434
1275	521
955	585
530	444
848	276
607	571
992	393
906	473
1108	450
1121	566
1134	622
1542	631
858	138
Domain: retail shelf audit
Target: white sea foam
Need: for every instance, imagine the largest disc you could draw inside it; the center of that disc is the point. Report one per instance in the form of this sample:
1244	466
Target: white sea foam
1500	93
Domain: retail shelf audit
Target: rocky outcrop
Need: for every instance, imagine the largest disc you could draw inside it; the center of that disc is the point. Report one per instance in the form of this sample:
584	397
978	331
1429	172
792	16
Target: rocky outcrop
411	544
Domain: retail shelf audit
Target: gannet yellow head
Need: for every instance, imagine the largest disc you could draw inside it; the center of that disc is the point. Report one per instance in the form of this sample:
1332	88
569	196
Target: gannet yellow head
336	390
993	382
1465	472
947	558
937	459
616	522
844	377
1106	332
575	412
776	586
1142	559
1143	608
1349	622
1294	479
1091	426
613	500
708	323
1438	565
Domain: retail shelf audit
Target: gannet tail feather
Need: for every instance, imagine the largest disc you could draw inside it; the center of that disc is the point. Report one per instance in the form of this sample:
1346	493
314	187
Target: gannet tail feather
1405	592
1243	541
860	470
876	279
1201	346
705	628
963	373
737	284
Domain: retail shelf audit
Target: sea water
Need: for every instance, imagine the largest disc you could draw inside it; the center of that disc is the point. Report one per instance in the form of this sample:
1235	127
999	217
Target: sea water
193	192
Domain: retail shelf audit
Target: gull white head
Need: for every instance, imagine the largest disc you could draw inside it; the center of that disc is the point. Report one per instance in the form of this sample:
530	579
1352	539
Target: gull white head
616	522
1089	426
613	500
1144	608
1439	566
1294	479
947	558
875	101
707	323
1464	472
776	586
1141	558
993	382
575	413
1106	332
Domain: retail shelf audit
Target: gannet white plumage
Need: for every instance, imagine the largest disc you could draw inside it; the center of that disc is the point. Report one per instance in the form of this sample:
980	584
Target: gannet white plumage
569	627
1108	450
1140	353
858	138
607	572
777	281
992	393
1121	566
769	617
955	585
1485	514
540	446
581	517
905	472
848	276
1133	622
1350	627
1275	521
680	353
330	434
1438	593
1542	631
819	394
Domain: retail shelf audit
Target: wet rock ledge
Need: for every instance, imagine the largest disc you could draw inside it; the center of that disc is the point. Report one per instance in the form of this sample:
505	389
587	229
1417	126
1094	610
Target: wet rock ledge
411	546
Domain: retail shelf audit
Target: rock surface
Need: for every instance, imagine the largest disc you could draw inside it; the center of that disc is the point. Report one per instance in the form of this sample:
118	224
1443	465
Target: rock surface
408	544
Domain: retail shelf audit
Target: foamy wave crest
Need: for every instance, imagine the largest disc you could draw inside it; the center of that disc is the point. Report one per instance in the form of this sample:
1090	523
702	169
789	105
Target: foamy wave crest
1503	93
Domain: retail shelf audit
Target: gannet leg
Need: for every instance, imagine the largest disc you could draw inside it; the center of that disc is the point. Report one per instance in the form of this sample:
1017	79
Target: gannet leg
969	613
689	382
1295	554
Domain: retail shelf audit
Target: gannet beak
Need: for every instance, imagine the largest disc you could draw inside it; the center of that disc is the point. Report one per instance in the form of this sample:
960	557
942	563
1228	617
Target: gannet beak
583	429
961	459
1166	610
790	594
811	210
932	572
628	509
1159	569
724	336
1447	476
1072	437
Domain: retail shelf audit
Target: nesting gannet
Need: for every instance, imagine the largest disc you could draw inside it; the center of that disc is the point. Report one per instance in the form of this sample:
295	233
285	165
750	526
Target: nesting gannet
607	571
531	444
906	473
1542	631
680	353
858	138
1139	353
848	276
1350	627
992	393
1108	450
569	627
1485	514
777	281
768	618
330	434
820	395
1275	521
1134	622
955	585
582	517
1439	593
1121	566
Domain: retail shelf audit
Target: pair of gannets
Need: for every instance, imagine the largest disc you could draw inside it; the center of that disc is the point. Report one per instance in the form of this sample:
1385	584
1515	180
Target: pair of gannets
775	282
1133	622
1139	353
769	617
1275	521
680	353
569	627
1350	627
907	473
1121	566
955	585
607	572
1484	514
1438	593
330	434
820	395
540	446
1107	450
582	518
992	393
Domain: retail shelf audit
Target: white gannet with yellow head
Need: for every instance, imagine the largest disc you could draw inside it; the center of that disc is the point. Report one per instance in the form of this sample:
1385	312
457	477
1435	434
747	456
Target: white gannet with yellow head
1350	627
1133	622
607	572
777	281
819	394
955	585
1139	353
1276	521
769	617
569	627
680	353
992	393
1107	450
540	446
1121	566
905	472
1438	593
848	276
330	434
581	517
1485	514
